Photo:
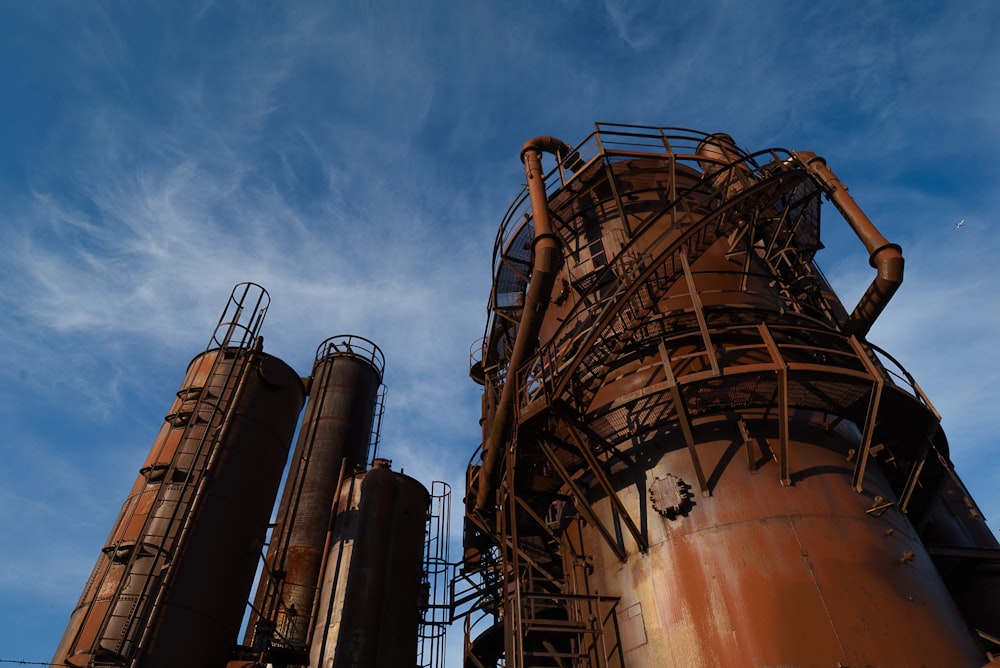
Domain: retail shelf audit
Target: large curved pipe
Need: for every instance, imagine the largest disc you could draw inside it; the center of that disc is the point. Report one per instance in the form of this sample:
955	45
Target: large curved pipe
885	257
553	145
547	251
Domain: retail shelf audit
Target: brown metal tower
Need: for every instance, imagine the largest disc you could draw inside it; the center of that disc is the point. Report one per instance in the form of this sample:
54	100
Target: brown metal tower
169	587
333	443
691	453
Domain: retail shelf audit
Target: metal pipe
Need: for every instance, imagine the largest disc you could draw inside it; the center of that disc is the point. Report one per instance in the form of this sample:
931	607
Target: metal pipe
547	251
885	257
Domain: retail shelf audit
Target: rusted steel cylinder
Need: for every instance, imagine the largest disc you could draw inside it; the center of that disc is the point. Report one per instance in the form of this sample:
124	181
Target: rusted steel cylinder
371	589
170	584
754	483
336	431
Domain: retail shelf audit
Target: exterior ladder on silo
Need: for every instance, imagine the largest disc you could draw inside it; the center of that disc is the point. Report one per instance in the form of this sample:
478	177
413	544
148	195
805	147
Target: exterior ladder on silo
146	567
436	611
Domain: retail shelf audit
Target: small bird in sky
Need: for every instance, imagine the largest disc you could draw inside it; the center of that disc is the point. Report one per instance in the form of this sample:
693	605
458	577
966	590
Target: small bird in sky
960	224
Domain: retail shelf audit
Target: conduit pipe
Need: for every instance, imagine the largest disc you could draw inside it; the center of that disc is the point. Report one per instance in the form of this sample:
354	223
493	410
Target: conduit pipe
885	257
547	252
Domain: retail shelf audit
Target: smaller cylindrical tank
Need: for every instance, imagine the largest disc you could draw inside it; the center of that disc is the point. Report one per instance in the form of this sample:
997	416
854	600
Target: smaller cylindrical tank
371	594
335	435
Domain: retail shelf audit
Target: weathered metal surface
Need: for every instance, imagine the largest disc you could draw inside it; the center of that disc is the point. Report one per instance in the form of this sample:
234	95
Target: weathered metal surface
763	574
170	584
368	613
691	340
334	438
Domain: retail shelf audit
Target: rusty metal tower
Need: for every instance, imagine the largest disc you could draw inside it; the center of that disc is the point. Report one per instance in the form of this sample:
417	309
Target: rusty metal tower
169	586
333	444
691	454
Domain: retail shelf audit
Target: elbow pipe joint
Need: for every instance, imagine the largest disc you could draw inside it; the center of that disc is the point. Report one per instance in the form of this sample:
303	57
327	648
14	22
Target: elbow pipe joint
888	263
885	257
553	145
564	153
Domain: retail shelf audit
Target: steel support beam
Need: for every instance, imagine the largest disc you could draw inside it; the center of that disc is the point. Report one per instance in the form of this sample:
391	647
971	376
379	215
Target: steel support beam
781	369
682	416
699	311
878	380
605	483
582	504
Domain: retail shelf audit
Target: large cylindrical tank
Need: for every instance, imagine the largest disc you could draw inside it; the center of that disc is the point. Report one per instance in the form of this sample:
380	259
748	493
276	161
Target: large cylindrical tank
170	585
334	439
761	574
707	455
371	590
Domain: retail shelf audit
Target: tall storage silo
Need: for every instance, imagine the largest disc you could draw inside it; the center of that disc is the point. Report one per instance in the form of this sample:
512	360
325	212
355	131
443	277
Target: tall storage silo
692	454
334	440
170	585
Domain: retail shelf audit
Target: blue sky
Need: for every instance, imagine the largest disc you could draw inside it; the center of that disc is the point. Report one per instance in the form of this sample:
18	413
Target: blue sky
355	158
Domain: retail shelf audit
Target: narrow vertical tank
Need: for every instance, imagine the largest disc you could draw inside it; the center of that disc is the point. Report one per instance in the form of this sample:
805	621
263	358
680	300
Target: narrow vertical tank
169	586
692	455
334	439
371	593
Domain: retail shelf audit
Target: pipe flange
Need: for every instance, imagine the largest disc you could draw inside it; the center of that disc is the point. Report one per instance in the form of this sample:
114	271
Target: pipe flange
670	496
